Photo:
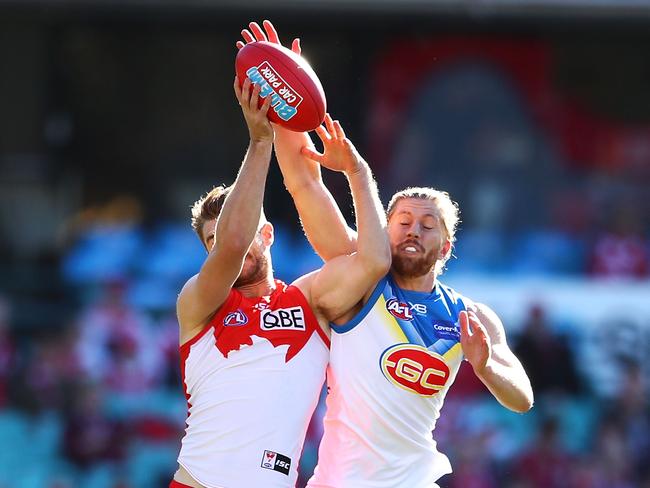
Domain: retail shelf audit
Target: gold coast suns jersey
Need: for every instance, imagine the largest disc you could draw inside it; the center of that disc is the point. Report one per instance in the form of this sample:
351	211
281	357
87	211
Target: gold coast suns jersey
390	369
252	378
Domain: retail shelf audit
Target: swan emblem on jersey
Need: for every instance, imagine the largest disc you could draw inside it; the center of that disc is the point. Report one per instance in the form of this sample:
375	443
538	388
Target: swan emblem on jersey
235	319
414	368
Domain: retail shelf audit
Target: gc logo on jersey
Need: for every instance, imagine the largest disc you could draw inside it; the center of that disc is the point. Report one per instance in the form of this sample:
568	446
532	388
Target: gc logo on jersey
276	462
235	319
283	318
414	368
399	309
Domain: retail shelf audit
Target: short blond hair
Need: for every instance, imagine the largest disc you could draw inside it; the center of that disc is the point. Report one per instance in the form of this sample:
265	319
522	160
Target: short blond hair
449	212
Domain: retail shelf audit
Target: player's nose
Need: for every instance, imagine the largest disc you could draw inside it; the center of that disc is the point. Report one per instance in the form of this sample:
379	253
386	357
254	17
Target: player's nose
414	230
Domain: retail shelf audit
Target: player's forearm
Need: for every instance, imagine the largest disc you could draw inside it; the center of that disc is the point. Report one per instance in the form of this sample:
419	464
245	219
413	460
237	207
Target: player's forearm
297	170
323	223
372	240
509	385
240	216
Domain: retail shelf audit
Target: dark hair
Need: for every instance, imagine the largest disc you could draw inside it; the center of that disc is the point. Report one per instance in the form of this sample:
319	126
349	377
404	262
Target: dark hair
208	207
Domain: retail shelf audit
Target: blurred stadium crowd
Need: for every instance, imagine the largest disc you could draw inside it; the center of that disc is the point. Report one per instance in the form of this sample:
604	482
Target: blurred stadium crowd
99	402
547	152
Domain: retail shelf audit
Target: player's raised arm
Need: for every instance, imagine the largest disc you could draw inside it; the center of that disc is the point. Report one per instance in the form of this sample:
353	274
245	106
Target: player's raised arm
321	218
237	223
346	281
484	344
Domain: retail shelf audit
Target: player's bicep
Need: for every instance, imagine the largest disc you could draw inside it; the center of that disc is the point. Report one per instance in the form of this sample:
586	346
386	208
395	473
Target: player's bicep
205	292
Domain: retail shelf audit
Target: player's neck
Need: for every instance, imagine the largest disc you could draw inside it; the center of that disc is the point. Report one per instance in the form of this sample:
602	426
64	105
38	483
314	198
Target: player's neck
261	288
424	283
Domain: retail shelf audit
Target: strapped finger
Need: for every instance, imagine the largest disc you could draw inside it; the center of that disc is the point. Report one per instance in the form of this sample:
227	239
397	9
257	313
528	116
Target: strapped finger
248	37
257	31
311	154
271	32
339	130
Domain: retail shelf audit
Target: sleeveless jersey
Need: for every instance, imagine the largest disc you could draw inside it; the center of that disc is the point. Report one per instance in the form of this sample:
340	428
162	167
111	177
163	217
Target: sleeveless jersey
252	379
390	369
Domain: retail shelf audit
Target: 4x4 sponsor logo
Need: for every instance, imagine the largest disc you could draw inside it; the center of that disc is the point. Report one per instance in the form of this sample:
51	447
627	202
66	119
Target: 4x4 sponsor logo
276	462
283	319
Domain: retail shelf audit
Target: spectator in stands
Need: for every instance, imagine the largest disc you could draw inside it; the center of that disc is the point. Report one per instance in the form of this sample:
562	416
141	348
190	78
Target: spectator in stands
536	346
89	435
621	251
115	342
547	464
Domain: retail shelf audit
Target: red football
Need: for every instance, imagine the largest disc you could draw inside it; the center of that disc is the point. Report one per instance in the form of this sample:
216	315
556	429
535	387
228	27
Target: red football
297	97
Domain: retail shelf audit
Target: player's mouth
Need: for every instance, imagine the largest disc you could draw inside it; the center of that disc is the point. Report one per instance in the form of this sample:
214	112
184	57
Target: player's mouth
411	248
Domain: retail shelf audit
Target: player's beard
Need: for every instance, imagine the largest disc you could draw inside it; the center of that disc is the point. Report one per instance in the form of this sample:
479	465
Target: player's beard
413	266
254	271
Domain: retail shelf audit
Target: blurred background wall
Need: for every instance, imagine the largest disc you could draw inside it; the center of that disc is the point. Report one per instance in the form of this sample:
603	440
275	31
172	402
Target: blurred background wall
116	115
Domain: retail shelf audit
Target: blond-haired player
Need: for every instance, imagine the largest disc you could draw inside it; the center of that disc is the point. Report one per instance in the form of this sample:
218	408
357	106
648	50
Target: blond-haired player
395	353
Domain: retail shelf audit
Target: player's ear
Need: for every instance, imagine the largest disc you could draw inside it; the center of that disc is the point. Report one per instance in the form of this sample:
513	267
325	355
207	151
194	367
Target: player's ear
446	249
266	231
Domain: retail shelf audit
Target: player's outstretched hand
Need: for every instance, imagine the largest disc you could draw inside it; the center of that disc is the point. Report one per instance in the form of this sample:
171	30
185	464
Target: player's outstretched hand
339	154
271	35
474	340
259	127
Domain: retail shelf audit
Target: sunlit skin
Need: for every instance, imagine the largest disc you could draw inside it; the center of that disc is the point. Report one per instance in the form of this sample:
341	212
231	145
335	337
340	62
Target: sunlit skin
256	271
418	239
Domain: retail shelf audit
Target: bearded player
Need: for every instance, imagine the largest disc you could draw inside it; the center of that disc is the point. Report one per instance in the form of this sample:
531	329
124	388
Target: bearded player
396	352
253	349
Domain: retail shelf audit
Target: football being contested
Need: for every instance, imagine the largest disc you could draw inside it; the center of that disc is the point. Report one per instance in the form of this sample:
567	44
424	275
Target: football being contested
297	96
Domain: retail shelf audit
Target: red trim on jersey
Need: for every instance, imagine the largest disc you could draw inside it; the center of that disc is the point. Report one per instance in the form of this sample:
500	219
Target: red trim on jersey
176	484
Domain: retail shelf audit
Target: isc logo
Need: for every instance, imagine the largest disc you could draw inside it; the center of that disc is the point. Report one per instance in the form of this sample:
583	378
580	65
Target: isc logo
283	318
414	368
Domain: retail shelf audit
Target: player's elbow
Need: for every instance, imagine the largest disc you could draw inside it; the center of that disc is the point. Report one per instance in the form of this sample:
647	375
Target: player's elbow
523	404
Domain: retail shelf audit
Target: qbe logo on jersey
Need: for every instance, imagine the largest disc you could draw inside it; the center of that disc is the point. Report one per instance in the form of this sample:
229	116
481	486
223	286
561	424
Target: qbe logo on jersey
284	99
283	319
414	368
276	462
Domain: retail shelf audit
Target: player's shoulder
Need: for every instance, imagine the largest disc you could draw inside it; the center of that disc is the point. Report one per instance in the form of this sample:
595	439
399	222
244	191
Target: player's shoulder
304	284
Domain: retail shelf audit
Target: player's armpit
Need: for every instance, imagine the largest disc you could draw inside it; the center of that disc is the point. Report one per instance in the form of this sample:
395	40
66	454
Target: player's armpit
346	281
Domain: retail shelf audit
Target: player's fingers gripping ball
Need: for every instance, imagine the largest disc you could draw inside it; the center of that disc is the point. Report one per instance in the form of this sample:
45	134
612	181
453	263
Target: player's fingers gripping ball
297	96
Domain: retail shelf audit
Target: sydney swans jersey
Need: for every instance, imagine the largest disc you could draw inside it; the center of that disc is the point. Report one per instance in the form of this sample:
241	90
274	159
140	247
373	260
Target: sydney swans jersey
252	378
390	369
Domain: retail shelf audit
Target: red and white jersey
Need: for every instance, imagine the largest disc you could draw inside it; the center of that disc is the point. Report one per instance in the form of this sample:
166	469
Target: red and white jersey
252	378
